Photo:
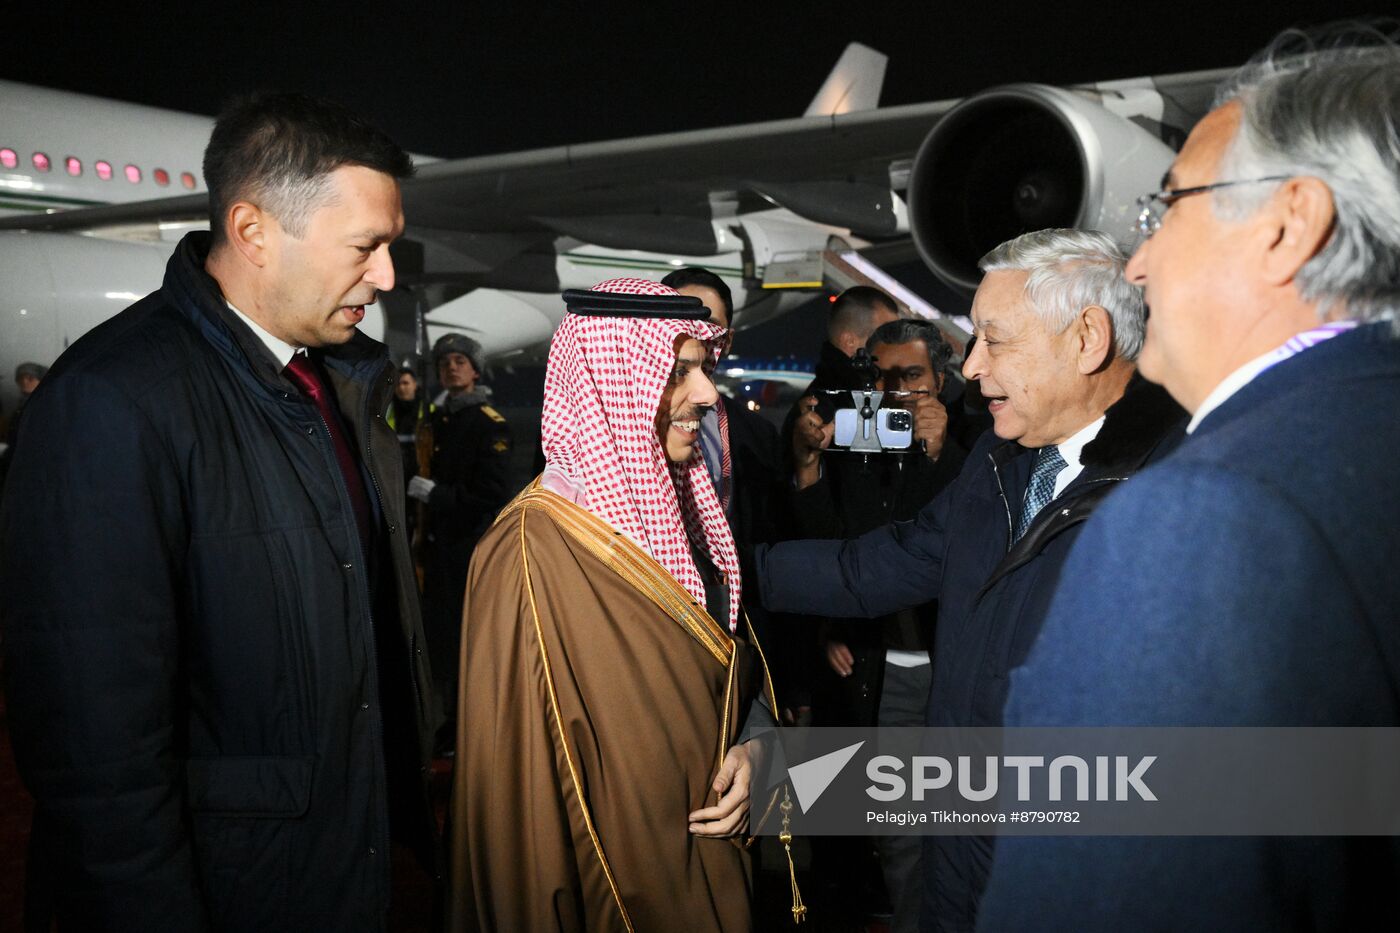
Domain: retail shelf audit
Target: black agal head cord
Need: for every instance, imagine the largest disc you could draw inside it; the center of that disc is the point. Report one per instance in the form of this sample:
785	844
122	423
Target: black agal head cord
611	304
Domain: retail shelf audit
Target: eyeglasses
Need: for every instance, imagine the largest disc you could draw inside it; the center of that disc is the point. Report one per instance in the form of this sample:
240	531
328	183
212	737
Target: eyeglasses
1151	207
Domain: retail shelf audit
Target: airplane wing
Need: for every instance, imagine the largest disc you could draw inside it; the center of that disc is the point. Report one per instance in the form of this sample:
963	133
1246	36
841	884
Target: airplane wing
666	174
472	218
675	175
491	239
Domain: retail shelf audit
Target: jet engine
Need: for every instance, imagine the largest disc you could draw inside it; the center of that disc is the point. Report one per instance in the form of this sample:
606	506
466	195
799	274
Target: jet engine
1025	157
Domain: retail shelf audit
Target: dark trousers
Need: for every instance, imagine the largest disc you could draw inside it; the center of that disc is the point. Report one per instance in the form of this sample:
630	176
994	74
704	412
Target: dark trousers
903	701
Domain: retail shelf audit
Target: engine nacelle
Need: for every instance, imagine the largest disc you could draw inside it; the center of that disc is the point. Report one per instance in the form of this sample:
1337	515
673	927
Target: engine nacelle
1020	158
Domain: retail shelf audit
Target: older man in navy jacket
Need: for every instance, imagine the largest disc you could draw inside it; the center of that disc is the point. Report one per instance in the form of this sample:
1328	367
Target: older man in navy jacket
1058	329
1249	579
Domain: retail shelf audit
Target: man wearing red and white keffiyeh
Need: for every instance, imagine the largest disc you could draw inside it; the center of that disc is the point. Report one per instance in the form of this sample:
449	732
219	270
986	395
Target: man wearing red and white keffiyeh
602	668
623	401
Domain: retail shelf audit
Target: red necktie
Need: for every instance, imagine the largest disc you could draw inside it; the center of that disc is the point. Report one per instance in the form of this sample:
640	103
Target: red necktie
304	372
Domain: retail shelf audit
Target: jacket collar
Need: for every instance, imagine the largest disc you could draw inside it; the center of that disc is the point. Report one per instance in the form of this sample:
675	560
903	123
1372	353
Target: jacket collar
1369	351
1144	422
479	395
195	293
1133	427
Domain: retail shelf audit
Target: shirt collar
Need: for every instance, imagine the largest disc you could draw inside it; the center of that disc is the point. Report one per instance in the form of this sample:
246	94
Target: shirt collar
1071	449
1246	374
281	351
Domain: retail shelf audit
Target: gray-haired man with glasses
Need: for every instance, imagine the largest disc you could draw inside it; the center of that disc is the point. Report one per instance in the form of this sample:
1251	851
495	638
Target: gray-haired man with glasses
1151	207
1248	579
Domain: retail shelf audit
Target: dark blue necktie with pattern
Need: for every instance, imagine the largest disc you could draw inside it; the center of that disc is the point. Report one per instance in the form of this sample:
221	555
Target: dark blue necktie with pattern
1048	464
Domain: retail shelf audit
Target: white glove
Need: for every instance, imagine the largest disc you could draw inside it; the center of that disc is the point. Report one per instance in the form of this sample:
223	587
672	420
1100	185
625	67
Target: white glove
420	488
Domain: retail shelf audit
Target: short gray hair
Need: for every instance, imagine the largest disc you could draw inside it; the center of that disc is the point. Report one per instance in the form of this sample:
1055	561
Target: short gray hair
1327	108
1069	271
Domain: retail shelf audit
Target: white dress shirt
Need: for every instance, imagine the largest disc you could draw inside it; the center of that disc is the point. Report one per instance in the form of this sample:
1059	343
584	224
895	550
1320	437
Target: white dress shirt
1071	450
1250	371
1230	385
280	349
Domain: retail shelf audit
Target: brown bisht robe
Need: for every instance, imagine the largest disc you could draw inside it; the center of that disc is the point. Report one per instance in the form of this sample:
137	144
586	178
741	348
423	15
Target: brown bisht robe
597	702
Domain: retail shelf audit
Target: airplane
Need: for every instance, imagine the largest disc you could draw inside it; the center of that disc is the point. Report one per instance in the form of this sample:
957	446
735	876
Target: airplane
94	194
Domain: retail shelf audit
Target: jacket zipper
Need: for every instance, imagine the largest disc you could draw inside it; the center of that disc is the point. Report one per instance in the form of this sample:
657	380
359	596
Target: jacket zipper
1001	490
382	848
376	718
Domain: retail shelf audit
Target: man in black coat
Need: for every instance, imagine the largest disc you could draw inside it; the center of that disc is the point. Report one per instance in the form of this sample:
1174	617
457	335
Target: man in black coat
854	316
214	671
466	486
1058	329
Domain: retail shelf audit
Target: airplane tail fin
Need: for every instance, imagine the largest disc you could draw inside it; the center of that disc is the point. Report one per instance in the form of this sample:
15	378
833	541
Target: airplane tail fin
854	84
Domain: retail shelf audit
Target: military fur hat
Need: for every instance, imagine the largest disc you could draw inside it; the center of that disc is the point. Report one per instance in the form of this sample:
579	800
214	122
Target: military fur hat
33	370
458	343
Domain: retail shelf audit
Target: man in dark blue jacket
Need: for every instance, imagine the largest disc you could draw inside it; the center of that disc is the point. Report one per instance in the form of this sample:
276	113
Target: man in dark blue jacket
1249	579
214	669
1058	328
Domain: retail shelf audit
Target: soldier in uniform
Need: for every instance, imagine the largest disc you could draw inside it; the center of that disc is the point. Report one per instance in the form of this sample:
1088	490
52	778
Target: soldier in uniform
465	486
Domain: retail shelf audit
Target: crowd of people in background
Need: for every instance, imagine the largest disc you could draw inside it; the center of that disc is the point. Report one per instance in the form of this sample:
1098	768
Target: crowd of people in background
256	577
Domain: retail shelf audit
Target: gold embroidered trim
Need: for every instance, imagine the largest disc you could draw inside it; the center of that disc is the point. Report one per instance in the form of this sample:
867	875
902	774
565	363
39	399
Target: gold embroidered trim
755	826
633	564
730	689
559	726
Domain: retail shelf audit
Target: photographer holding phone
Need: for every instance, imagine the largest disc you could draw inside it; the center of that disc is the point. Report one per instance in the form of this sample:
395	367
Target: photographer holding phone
912	358
876	671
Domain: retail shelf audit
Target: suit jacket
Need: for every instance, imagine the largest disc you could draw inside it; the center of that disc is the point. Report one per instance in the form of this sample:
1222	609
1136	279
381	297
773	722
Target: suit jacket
756	483
1248	579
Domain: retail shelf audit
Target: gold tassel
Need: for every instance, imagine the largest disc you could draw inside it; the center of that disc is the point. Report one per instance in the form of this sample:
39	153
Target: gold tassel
799	909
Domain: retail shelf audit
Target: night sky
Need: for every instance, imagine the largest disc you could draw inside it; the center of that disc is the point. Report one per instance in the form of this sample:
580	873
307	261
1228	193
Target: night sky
469	78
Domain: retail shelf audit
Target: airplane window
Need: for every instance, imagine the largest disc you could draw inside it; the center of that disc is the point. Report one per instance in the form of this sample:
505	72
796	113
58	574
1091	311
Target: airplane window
133	174
161	176
187	180
74	165
103	169
8	158
41	162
